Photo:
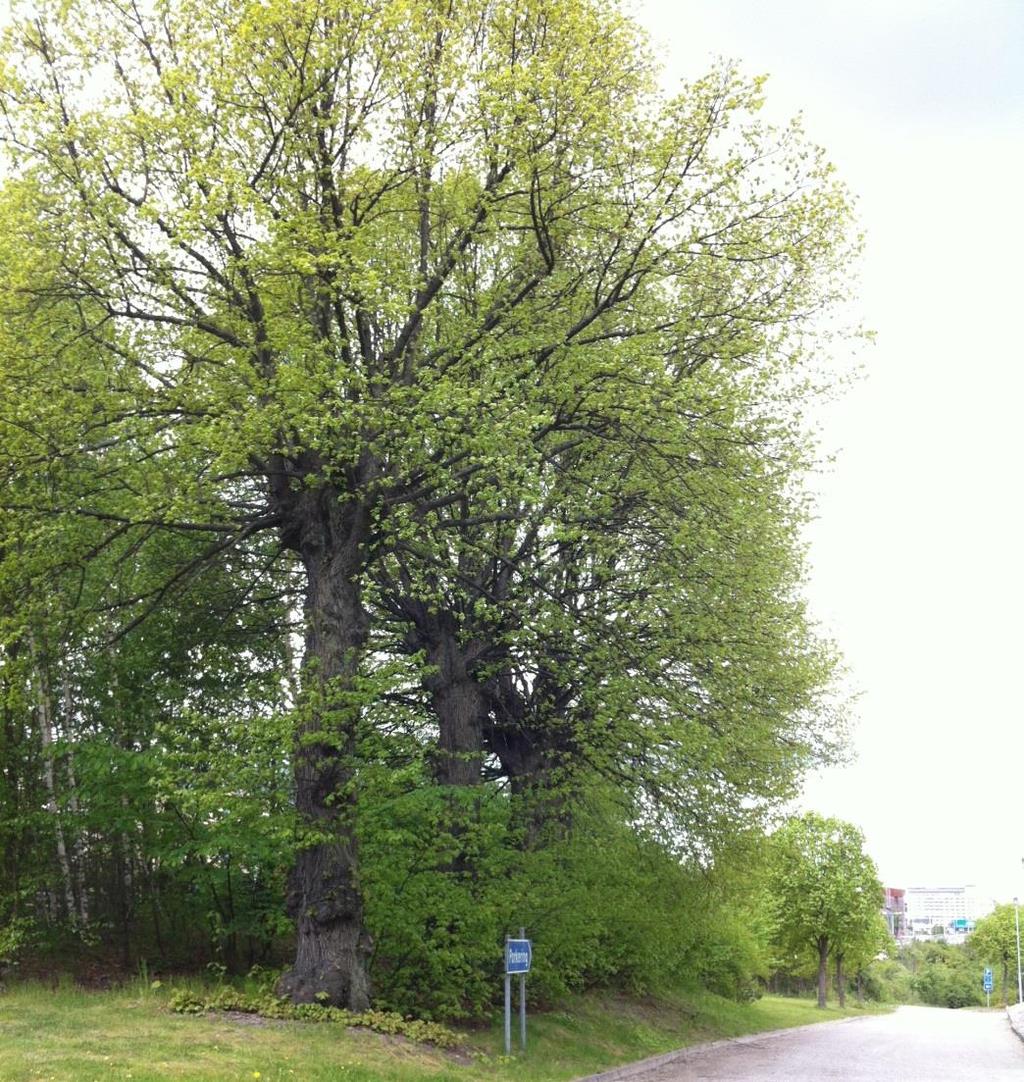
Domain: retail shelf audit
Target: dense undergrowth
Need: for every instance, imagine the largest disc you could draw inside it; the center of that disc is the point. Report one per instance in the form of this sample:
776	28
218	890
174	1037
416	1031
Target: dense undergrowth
606	907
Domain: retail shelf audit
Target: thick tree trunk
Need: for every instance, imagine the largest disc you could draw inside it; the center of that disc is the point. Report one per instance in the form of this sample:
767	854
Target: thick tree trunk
460	706
822	945
530	755
840	980
324	898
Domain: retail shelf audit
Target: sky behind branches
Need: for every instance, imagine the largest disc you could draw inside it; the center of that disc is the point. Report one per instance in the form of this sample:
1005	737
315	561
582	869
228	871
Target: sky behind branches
916	556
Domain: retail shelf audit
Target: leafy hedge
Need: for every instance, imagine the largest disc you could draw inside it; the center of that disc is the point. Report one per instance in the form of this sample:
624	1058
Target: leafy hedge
605	906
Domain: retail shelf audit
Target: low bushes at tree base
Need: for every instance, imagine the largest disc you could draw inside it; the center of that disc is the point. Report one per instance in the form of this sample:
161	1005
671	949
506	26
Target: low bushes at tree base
269	1006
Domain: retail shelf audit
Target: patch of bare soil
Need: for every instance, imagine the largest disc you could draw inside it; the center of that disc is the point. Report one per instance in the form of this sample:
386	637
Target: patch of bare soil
396	1040
244	1018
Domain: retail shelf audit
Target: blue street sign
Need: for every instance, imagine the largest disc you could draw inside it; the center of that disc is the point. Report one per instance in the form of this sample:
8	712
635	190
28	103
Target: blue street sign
518	955
986	980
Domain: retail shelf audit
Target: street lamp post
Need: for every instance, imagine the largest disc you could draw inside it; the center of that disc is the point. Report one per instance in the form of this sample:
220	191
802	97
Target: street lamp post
1016	924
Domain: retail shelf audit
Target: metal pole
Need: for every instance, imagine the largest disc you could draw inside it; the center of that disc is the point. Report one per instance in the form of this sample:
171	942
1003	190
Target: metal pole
1016	922
508	1005
522	1002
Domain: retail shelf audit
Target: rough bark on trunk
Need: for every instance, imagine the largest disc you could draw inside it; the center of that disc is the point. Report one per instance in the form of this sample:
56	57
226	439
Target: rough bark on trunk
822	945
324	898
840	980
530	755
459	704
460	707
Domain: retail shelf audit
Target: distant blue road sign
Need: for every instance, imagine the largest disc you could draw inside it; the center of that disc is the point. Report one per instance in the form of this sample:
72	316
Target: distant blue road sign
518	955
986	980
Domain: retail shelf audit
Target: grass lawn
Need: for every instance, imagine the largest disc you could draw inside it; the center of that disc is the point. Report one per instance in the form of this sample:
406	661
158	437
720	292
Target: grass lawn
71	1035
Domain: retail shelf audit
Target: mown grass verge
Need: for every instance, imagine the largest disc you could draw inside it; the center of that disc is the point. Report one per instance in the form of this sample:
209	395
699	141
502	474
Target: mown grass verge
71	1035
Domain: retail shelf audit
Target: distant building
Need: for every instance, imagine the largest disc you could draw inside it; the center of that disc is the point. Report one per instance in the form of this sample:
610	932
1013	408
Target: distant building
895	912
952	909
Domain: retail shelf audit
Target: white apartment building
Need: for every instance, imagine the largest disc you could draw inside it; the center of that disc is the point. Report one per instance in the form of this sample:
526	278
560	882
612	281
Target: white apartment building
928	907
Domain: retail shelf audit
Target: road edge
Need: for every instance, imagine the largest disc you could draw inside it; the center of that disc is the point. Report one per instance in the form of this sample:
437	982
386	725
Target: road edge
652	1063
1015	1013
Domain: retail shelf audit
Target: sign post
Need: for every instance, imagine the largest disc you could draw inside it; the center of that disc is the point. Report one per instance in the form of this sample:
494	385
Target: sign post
518	955
522	1001
986	983
508	1004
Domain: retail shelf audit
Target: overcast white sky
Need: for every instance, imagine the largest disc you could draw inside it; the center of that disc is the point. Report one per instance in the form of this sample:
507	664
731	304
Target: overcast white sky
916	555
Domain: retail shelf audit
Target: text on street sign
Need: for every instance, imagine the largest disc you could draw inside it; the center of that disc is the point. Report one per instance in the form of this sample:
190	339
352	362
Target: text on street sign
518	954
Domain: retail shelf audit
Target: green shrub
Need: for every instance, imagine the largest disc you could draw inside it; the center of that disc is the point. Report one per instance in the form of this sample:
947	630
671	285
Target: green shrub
604	905
269	1006
943	976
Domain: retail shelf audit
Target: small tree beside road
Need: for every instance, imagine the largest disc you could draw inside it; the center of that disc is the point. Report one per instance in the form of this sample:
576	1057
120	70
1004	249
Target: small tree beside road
824	892
854	952
994	940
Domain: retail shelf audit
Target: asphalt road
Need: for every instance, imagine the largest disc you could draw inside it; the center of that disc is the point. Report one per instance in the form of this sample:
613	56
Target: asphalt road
913	1044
